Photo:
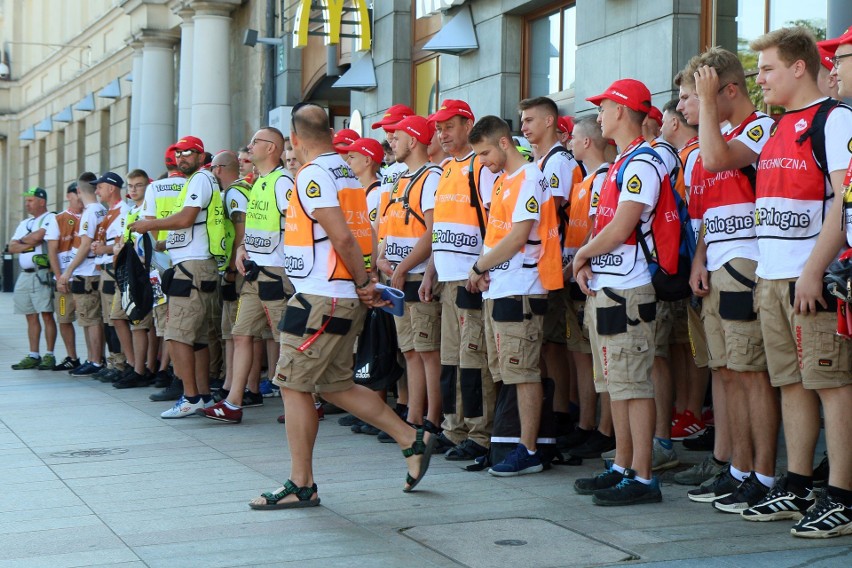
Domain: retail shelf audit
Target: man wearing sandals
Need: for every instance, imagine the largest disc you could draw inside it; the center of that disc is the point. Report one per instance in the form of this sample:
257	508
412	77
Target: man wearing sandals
324	259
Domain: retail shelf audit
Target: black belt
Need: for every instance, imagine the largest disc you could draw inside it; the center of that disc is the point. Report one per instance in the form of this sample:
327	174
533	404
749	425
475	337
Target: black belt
29	270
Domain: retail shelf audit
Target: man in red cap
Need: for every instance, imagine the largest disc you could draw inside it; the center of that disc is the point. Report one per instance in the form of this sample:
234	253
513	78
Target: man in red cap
827	80
564	129
403	258
342	138
195	241
800	204
539	117
159	203
461	202
612	269
365	156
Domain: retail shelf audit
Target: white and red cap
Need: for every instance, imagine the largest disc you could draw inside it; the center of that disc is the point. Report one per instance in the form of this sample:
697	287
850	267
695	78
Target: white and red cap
450	108
366	147
415	126
628	92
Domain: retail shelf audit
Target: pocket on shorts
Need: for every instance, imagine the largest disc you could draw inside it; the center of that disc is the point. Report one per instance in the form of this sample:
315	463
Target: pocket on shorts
827	296
611	320
411	291
468	301
508	310
336	326
78	286
270	290
109	287
471	337
831	352
294	321
625	357
229	292
515	350
207	286
737	306
180	288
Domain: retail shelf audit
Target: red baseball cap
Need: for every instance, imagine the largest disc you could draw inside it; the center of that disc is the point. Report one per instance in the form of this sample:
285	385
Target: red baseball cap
831	45
416	126
655	114
393	115
450	108
565	124
825	57
345	136
366	147
170	156
189	143
628	92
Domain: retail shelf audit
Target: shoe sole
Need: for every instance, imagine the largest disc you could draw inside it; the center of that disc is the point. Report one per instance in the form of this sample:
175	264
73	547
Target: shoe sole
657	498
693	482
823	534
526	471
707	497
252	405
779	516
581	491
178	416
217	418
667	465
690	435
735	508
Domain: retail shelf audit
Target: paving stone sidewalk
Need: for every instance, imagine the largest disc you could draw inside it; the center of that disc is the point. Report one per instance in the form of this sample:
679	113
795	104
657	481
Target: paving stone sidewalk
91	476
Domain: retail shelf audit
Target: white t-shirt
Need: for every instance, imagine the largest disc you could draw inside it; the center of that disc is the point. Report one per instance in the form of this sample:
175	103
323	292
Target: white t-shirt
32	225
319	173
166	187
718	253
559	171
650	173
234	201
192	243
92	215
114	231
513	277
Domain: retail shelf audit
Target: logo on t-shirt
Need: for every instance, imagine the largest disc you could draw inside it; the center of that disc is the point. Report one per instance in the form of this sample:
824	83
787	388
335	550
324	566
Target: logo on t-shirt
849	145
313	189
801	125
554	181
289	194
233	204
532	205
634	184
755	133
86	226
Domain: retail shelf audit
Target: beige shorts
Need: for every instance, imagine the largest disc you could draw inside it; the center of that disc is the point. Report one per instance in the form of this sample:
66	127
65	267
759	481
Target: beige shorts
514	333
261	304
34	292
462	342
191	302
230	296
622	333
419	328
319	362
108	289
801	348
576	331
731	326
680	323
87	300
697	337
64	307
555	319
161	318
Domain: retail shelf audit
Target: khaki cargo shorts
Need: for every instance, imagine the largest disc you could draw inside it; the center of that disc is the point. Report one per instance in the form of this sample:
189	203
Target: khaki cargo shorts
191	301
577	332
64	307
513	333
697	337
262	302
419	328
462	328
555	318
87	299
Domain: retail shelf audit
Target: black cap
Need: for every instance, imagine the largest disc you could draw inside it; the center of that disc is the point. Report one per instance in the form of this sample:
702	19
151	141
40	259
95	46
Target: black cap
111	178
72	187
36	192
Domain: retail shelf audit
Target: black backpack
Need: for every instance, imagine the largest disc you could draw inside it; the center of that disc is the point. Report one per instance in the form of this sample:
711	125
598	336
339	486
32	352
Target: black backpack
134	280
376	363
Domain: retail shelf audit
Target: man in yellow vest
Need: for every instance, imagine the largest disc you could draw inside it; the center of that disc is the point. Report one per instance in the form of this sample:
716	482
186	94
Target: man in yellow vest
458	231
260	260
324	257
196	244
519	265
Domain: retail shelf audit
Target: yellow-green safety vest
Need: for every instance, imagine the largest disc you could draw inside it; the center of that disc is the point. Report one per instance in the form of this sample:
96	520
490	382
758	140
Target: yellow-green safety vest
243	187
215	223
264	221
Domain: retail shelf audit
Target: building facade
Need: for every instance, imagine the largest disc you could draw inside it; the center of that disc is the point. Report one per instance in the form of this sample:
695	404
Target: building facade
108	84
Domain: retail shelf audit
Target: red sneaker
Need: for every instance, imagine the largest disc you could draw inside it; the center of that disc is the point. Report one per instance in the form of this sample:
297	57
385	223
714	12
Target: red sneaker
707	416
221	413
686	425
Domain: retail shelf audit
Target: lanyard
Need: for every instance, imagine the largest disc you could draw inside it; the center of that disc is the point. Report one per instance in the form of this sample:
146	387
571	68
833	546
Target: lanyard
310	341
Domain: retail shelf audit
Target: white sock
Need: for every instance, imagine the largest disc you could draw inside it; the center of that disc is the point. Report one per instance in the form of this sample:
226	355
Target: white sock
738	475
767	481
317	405
232	406
618	468
531	452
642	480
34	354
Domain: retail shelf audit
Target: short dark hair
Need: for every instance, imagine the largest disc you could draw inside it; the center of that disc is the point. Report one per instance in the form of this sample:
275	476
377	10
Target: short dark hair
544	102
137	173
88	177
490	128
671	106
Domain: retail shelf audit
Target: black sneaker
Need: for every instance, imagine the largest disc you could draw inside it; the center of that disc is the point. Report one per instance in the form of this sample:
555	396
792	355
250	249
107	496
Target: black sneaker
593	447
722	485
220	394
825	519
134	380
576	438
821	473
172	392
216	383
107	375
385	438
780	504
749	493
443	444
356	426
628	492
162	379
67	364
467	450
370	430
347	420
251	399
605	480
702	442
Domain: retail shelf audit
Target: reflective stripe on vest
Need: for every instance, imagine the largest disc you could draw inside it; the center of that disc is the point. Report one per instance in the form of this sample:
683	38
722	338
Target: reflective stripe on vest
264	221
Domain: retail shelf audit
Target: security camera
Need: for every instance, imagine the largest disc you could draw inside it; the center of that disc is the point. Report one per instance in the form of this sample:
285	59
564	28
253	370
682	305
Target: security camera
4	71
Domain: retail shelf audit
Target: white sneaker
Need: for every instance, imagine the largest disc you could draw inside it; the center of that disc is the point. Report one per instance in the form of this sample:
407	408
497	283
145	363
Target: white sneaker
182	408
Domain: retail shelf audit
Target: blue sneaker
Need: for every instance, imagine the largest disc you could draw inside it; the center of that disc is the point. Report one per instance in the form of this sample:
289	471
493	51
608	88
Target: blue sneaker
86	369
518	462
268	389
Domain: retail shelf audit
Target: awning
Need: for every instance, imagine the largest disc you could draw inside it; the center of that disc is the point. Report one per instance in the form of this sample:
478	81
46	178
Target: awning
64	115
457	37
46	125
361	76
87	103
28	134
111	91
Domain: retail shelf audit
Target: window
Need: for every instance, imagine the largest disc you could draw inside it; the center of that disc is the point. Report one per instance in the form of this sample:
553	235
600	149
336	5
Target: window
427	91
734	23
550	47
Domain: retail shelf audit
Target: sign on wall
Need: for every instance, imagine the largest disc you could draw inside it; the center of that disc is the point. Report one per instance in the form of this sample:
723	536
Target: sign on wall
333	12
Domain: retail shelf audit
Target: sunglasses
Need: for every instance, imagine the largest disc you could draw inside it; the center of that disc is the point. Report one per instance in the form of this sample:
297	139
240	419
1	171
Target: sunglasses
186	153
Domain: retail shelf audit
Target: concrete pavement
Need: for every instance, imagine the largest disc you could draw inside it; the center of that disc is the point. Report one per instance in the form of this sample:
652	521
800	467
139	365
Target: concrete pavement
91	476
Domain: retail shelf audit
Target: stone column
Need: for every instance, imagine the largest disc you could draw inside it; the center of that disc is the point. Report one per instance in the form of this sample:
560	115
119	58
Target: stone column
135	105
211	77
187	39
157	110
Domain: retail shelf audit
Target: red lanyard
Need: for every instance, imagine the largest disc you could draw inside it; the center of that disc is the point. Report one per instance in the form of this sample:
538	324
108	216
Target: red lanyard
310	341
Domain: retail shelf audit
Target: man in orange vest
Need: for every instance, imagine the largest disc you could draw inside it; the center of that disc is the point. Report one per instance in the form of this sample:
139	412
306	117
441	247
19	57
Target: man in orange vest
462	197
613	271
324	257
403	258
520	263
